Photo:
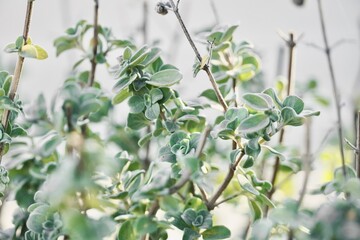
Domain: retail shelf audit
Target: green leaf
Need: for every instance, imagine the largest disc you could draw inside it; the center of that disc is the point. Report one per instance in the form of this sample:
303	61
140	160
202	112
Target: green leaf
308	113
127	231
153	112
17	131
145	139
189	216
136	104
261	229
352	186
49	145
139	56
236	114
151	57
273	151
246	185
228	33
35	221
190	234
255	209
177	137
156	95
144	225
89	106
248	162
137	121
19	43
127	53
7	103
170	204
124	82
33	51
291	118
295	103
216	232
120	96
254	123
265	200
41	53
122	43
166	155
234	155
11	48
165	78
247	72
271	92
257	101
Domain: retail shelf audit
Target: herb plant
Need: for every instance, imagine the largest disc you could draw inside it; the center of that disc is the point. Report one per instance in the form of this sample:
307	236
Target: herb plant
90	168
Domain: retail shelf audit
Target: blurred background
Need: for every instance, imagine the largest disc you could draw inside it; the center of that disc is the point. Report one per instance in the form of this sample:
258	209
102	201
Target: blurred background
260	22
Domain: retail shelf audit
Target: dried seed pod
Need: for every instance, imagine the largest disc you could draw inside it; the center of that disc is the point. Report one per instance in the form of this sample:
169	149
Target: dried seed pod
161	8
298	2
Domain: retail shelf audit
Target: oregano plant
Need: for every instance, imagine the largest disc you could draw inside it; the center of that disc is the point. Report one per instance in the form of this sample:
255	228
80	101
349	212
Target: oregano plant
143	162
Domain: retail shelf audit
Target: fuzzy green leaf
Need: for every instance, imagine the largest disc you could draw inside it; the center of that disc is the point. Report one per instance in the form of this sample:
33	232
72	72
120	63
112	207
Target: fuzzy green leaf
136	104
295	103
137	121
257	102
153	112
165	78
254	123
291	118
127	231
216	232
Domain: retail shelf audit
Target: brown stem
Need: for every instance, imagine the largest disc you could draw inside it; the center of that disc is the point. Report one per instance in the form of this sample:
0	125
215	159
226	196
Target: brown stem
95	43
235	91
17	73
228	199
358	146
232	168
291	69
306	161
334	87
198	56
145	21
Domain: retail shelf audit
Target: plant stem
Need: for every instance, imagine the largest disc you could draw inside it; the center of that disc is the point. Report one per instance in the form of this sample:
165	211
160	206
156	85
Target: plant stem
358	146
214	9
334	87
17	73
228	199
306	161
232	168
95	43
198	56
145	21
291	69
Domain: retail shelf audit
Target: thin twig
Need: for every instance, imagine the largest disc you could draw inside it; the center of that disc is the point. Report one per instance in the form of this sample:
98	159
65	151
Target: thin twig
212	202
358	146
334	87
145	21
307	159
198	56
291	69
228	199
95	43
17	73
215	11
